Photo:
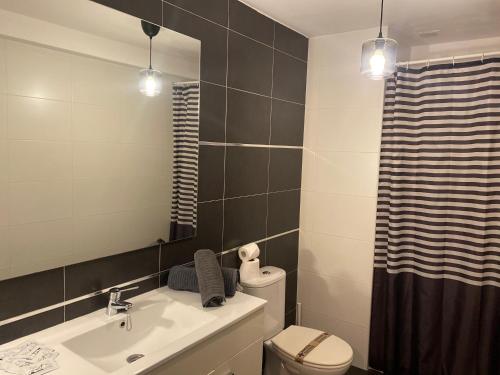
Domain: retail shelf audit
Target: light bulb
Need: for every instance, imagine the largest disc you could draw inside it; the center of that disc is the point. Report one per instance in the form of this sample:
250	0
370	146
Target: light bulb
150	83
377	63
378	58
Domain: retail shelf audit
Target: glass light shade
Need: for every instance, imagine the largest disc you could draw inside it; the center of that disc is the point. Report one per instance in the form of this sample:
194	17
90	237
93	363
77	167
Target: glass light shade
378	58
150	83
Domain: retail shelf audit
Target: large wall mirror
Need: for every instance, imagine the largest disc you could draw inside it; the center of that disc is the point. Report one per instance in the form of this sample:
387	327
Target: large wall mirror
99	116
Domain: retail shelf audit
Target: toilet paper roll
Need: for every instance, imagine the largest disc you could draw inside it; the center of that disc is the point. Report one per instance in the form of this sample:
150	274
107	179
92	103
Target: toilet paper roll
249	252
249	270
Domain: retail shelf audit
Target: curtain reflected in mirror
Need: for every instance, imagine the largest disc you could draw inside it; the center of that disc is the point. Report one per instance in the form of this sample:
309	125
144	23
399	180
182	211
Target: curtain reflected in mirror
185	109
97	158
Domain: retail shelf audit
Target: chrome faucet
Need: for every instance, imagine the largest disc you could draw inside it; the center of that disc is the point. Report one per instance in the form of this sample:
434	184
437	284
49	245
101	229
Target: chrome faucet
115	304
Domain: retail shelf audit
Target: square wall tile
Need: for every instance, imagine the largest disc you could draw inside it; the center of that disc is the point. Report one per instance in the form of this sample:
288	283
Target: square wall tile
95	123
213	37
349	173
246	171
24	327
285	171
38	72
250	65
248	118
284	212
38	119
97	160
347	128
212	112
52	248
283	251
344	215
40	201
337	256
27	293
215	10
40	161
285	88
249	22
244	220
291	42
88	277
287	123
339	298
211	173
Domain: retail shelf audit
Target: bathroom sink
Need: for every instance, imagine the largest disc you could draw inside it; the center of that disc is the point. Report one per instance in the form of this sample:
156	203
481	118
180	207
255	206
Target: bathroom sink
125	339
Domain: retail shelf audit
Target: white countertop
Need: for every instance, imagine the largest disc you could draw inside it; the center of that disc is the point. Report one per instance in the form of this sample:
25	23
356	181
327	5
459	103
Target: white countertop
218	318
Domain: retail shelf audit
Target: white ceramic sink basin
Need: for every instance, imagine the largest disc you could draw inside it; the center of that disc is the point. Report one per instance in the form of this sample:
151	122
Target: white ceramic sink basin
148	328
164	324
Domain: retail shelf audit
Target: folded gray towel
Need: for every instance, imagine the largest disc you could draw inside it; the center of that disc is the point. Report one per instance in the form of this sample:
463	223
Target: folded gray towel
210	278
184	278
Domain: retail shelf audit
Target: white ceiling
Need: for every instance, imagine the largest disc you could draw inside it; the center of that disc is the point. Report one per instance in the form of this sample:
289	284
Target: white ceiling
456	19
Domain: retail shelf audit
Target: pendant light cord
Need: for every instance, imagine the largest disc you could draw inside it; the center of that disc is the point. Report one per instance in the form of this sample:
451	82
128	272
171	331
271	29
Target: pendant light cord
381	19
150	47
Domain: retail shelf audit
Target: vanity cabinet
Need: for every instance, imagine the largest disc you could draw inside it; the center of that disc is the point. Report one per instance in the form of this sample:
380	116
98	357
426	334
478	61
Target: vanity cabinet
236	350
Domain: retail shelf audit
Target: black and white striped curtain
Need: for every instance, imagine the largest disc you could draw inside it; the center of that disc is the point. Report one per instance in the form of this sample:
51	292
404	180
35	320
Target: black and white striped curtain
186	103
436	293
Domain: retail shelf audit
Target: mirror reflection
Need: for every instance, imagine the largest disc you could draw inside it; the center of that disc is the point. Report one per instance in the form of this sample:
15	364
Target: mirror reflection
98	134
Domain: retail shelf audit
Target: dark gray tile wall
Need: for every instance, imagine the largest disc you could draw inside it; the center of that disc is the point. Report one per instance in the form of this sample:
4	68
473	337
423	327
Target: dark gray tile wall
253	73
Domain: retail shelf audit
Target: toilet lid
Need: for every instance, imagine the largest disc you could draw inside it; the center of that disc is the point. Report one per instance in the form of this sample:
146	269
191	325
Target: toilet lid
332	352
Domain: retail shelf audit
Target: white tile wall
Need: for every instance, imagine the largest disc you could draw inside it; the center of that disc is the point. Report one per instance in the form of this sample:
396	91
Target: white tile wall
339	183
37	72
85	159
38	119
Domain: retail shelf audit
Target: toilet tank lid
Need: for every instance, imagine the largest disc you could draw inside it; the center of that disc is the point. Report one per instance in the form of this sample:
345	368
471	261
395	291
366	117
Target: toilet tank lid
268	275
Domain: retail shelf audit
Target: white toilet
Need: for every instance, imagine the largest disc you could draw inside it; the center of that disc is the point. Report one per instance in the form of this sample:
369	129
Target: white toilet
333	356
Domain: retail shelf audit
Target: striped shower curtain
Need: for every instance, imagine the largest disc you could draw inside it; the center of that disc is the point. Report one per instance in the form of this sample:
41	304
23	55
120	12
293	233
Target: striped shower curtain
186	103
436	292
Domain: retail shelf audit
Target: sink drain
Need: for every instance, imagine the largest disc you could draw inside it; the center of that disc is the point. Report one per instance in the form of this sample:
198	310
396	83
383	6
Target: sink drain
134	357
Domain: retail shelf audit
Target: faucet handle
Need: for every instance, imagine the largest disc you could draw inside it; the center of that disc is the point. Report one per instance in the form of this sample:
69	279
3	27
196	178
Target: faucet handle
116	293
120	290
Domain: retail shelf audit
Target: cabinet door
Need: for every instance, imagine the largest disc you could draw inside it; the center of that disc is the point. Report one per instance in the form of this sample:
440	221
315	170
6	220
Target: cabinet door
246	362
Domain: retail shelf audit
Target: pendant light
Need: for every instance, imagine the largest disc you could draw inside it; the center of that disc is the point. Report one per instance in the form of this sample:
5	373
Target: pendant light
150	83
378	56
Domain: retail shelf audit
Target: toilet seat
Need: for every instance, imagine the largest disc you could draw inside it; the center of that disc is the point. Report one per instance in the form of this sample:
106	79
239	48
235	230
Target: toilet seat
332	353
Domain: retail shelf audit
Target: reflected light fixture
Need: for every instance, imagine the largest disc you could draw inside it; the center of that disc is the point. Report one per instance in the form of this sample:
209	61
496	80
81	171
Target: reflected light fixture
378	56
150	83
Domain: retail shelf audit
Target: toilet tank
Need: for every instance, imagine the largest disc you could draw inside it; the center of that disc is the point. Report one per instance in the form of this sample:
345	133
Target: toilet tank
270	285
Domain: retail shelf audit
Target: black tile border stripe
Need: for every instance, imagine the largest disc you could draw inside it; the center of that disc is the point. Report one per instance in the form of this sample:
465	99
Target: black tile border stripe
127	283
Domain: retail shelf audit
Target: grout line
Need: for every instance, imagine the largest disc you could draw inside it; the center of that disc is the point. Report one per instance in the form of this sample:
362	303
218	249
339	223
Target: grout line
256	145
225	139
269	143
257	93
249	196
225	252
64	293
